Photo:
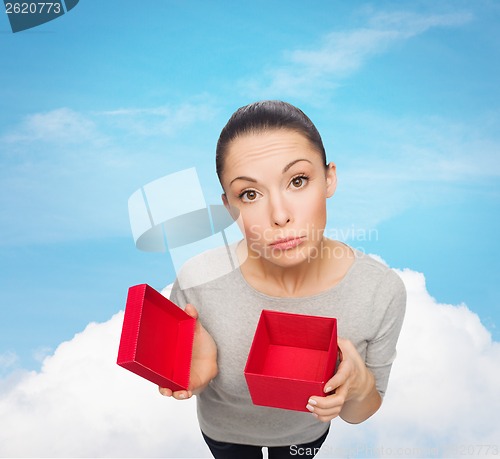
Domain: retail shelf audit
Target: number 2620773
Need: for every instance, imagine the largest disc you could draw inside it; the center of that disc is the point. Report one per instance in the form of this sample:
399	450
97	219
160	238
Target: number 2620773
32	8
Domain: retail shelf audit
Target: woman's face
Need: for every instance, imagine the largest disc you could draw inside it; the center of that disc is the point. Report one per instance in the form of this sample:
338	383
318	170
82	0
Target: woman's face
277	183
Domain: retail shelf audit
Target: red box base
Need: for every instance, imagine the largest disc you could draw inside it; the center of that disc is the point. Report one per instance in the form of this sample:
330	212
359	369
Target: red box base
291	358
157	339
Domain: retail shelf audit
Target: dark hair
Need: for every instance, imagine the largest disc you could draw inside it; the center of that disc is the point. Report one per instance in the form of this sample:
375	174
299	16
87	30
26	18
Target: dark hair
263	116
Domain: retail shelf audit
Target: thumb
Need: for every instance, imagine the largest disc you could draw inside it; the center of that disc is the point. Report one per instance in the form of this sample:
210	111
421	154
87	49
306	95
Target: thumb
343	345
191	310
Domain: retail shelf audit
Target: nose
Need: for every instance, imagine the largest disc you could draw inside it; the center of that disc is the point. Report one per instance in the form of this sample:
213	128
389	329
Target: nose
279	212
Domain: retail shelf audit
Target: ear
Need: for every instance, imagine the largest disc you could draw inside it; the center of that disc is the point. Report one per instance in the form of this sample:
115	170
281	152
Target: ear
232	210
331	179
224	201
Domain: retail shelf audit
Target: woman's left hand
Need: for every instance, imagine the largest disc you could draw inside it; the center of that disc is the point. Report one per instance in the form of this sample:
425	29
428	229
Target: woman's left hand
352	390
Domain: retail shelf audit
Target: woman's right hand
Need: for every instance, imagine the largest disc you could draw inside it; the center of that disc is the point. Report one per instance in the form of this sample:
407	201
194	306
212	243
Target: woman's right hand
203	361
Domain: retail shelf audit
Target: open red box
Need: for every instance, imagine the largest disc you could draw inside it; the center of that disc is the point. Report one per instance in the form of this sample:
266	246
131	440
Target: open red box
291	358
157	338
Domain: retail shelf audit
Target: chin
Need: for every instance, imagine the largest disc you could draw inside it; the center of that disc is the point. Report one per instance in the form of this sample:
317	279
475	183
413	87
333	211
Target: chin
288	259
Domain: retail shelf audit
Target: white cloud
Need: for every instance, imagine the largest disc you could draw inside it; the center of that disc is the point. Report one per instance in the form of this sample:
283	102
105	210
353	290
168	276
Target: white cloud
452	372
7	360
62	125
164	120
443	394
81	404
63	179
40	353
396	163
308	72
428	148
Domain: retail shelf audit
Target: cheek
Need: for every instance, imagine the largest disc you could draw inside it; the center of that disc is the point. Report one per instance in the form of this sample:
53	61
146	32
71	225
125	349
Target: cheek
312	209
250	223
254	234
320	211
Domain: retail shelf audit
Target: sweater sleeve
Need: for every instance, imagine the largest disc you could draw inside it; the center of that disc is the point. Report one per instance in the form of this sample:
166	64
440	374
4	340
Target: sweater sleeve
177	296
389	306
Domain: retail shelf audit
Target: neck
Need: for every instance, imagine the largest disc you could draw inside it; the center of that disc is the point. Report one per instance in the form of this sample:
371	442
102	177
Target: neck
301	279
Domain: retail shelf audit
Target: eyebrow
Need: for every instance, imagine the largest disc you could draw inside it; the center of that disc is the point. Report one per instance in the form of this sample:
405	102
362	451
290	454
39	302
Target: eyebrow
288	166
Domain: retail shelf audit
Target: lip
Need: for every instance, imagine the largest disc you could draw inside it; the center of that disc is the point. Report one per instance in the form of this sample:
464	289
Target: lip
287	243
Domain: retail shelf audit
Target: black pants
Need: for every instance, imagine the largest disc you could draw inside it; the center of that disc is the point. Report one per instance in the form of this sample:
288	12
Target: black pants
222	450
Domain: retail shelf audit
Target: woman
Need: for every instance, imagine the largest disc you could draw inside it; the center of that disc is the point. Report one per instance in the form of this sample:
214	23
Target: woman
272	167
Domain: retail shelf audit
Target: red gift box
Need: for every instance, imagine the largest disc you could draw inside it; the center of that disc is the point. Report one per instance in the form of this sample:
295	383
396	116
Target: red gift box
291	358
157	338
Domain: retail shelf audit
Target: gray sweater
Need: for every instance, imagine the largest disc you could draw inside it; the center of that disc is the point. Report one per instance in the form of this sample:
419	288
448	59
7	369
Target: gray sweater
369	304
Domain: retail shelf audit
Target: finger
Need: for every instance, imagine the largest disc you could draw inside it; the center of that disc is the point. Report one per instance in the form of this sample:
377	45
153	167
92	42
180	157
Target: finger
340	344
342	391
344	345
182	394
315	404
164	391
191	310
325	414
337	380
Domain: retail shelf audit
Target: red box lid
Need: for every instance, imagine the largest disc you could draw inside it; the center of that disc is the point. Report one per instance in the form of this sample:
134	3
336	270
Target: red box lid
157	338
291	358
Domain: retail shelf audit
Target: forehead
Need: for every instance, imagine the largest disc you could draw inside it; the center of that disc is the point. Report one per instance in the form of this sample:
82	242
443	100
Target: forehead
267	147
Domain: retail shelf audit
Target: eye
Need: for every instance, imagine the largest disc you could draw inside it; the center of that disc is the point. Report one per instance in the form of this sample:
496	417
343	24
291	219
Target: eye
299	181
249	195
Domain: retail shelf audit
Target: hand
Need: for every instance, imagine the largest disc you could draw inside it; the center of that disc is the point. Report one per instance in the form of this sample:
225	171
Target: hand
203	361
353	393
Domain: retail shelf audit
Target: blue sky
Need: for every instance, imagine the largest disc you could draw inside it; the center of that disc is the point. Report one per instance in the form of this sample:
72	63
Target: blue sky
115	94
